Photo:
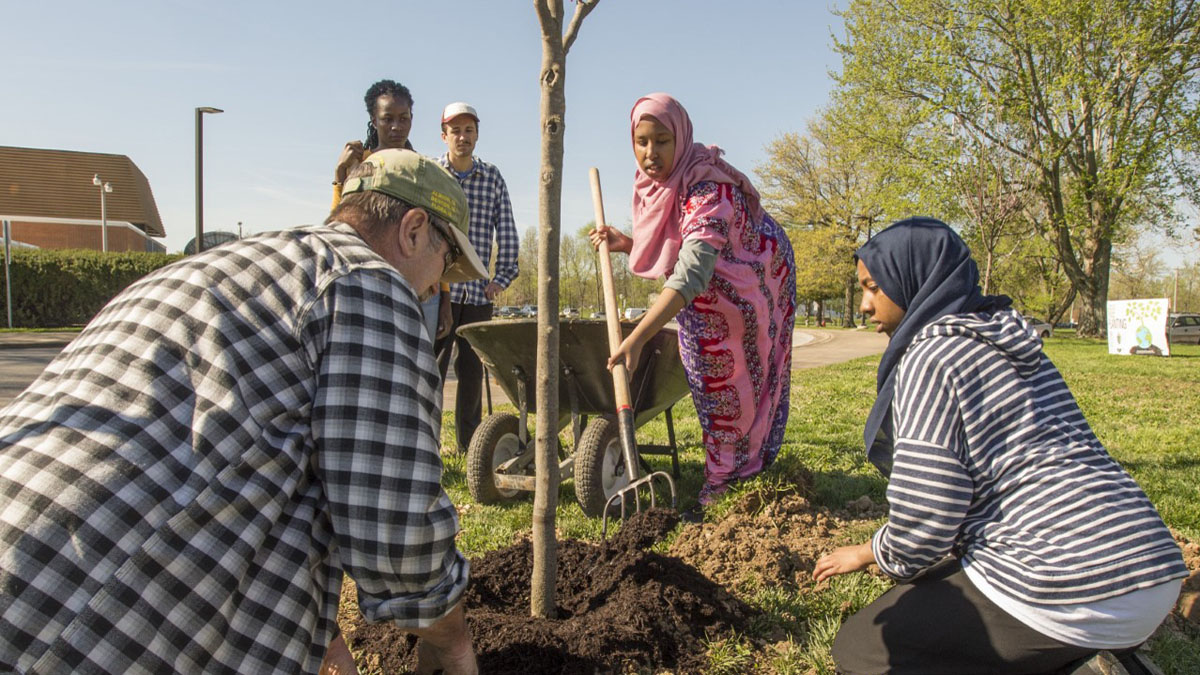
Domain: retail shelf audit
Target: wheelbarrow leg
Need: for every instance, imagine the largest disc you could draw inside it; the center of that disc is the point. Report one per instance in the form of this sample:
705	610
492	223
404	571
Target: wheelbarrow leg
487	387
523	407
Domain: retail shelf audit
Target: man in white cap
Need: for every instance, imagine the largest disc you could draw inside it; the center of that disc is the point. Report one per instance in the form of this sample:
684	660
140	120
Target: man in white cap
185	485
471	301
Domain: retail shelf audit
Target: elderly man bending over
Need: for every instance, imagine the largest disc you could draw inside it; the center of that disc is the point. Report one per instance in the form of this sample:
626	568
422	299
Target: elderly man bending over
184	486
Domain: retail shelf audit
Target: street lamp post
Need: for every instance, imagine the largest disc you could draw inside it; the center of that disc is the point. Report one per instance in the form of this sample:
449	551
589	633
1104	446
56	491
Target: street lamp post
105	188
200	173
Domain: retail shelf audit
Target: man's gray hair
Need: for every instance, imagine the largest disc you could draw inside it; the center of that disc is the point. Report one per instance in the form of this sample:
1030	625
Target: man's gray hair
373	211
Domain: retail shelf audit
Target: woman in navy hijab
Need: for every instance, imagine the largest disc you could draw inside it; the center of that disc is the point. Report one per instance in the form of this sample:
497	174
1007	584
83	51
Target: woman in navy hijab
1020	545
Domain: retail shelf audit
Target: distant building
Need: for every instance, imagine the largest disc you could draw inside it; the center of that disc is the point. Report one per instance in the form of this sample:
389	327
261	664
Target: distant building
212	239
50	201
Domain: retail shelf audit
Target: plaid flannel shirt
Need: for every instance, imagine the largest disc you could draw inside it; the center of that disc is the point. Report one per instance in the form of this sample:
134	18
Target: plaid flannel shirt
491	212
183	487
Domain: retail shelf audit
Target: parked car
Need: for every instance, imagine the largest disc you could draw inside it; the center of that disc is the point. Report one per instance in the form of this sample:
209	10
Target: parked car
599	315
506	312
1183	328
570	313
529	311
634	312
1039	328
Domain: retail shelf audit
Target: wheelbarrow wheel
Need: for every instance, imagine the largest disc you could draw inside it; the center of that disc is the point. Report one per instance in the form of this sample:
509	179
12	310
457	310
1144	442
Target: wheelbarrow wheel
495	441
599	465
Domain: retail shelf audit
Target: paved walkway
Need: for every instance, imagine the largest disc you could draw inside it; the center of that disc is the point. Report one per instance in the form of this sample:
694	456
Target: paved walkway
811	347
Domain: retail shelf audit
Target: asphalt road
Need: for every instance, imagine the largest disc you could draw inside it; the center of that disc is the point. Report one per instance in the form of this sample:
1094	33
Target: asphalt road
20	366
812	347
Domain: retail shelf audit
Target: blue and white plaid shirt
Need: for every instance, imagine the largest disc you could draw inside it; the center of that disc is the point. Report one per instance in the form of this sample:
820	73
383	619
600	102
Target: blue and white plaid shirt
491	212
183	487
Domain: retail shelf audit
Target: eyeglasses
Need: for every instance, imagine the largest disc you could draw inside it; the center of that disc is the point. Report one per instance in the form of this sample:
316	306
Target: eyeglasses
453	252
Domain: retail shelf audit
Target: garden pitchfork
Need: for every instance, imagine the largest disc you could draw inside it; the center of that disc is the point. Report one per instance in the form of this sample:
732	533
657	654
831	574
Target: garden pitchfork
620	378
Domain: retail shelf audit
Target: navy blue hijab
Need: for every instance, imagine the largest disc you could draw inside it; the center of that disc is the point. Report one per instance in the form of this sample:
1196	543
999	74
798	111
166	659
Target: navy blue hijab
927	270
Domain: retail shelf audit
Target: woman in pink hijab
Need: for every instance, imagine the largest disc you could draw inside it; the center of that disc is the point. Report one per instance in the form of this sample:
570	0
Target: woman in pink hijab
731	286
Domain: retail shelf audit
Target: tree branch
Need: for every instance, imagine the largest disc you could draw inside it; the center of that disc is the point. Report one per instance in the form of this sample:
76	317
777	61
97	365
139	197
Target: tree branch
582	9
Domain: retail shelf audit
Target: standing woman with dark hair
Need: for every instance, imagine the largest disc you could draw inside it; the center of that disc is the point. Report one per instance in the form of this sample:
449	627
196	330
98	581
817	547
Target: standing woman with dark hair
731	287
1020	544
389	109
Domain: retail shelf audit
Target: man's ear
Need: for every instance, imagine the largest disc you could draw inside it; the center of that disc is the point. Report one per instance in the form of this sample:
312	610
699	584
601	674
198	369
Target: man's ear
411	232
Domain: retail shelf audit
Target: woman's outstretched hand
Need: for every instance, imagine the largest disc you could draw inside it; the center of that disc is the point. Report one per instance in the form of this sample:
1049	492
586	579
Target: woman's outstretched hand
843	560
617	242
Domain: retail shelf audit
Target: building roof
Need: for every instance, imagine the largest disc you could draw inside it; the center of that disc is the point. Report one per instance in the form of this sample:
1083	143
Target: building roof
58	184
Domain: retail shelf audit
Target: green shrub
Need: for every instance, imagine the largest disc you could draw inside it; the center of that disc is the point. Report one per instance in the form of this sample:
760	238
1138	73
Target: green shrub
68	287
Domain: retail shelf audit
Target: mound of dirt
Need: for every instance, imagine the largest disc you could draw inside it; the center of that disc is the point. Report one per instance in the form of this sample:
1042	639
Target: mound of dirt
619	606
769	541
1189	596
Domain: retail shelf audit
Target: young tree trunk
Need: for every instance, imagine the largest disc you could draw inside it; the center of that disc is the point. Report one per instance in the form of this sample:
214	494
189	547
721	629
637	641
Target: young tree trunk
555	45
848	314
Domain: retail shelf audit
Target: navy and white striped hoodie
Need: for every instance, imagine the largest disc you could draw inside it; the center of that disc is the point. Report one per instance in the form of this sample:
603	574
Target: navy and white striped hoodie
995	463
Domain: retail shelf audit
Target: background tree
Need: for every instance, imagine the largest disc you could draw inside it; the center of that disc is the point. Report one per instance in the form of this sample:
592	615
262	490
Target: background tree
830	194
822	255
1182	285
1137	271
523	290
1097	96
557	38
994	194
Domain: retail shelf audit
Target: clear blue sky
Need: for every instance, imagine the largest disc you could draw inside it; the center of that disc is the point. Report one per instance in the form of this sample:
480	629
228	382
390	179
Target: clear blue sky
124	77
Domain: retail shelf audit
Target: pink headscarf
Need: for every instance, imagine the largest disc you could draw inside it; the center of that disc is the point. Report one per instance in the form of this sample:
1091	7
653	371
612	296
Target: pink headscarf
656	216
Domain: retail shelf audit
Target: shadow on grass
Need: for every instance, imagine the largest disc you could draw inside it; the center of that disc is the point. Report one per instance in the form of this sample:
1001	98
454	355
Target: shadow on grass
834	488
1174	463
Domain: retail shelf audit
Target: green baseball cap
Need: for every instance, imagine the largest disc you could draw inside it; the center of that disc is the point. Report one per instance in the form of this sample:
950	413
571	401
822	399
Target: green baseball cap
420	181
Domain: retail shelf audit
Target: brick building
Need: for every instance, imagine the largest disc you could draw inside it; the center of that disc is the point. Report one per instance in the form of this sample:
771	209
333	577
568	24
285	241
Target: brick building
50	201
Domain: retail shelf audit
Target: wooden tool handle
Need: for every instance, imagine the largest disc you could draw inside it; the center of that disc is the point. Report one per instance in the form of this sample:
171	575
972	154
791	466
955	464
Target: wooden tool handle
620	376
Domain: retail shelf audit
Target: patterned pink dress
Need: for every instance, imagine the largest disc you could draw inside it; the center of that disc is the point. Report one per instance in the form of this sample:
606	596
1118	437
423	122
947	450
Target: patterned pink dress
735	338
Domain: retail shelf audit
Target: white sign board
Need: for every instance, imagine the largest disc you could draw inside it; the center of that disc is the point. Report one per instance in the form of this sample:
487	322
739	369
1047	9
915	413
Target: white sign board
1138	327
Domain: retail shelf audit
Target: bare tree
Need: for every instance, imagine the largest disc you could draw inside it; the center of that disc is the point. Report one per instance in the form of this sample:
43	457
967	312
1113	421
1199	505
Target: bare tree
555	45
994	188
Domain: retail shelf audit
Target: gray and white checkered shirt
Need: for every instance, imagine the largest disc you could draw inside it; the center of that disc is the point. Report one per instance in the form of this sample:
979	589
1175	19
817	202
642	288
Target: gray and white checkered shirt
491	215
183	487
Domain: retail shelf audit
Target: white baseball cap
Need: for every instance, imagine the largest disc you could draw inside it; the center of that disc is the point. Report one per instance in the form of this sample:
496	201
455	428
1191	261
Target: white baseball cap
458	108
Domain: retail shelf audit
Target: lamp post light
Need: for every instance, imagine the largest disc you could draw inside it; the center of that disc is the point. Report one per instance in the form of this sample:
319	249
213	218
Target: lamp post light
200	173
105	188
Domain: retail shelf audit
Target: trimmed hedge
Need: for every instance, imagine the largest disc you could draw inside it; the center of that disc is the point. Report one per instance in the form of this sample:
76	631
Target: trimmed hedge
67	287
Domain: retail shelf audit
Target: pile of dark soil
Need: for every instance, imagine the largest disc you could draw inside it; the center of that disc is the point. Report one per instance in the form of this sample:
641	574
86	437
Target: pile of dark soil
619	607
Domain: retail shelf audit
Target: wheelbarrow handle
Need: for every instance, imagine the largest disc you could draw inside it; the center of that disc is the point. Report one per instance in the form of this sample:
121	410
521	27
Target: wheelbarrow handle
620	375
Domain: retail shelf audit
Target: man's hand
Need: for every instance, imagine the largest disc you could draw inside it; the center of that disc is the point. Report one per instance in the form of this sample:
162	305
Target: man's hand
843	560
446	646
351	155
459	660
492	290
338	660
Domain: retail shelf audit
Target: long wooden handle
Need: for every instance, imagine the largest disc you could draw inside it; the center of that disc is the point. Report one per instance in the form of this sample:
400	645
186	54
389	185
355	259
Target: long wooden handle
620	376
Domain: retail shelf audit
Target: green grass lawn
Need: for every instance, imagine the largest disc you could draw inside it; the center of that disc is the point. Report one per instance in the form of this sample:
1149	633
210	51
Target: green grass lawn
1146	410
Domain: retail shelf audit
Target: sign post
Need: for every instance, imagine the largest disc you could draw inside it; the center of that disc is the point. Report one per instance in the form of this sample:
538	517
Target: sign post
7	276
